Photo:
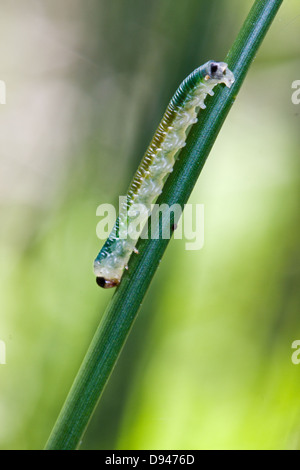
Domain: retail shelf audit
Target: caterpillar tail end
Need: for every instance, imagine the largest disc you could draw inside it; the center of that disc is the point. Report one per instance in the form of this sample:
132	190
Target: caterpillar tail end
107	283
106	276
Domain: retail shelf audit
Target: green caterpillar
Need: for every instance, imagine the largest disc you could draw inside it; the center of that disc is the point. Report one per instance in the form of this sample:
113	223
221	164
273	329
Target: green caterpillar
156	164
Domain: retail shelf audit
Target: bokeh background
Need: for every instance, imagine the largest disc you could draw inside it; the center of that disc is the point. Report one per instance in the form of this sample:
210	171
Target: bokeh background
208	362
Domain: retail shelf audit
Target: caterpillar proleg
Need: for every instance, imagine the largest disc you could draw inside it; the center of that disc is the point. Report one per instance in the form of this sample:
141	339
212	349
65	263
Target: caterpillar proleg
155	166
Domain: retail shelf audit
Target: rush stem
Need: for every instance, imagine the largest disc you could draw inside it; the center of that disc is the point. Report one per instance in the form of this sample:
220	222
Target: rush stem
123	308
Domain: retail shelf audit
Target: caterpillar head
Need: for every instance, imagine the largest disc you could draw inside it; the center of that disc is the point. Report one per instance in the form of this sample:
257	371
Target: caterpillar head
219	72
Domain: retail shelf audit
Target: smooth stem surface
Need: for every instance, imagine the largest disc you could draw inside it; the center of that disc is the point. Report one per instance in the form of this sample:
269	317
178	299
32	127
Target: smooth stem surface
122	310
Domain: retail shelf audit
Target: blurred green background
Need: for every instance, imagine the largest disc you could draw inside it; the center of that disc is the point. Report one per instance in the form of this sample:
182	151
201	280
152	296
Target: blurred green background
208	363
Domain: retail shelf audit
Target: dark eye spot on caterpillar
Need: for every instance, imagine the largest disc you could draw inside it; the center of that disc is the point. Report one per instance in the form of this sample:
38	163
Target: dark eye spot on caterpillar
213	68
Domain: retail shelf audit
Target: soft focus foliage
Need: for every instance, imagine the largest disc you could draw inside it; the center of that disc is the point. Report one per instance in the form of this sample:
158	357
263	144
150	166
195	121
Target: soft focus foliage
208	363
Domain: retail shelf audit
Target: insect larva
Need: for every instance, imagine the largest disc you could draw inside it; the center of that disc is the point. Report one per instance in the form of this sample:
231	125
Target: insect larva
157	163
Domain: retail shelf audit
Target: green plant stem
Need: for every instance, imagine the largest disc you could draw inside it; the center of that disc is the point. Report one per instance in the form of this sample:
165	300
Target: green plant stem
122	310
